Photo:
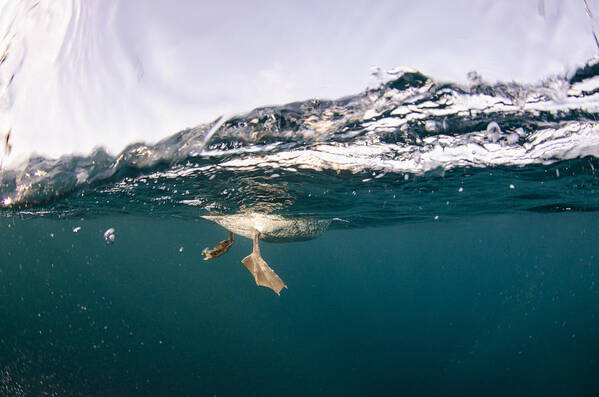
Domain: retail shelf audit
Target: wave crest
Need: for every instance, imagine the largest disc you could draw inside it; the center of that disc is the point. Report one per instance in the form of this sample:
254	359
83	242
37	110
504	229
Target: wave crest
408	125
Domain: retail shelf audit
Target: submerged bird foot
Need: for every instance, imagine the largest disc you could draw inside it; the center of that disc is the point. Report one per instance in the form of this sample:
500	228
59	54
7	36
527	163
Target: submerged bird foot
262	273
219	249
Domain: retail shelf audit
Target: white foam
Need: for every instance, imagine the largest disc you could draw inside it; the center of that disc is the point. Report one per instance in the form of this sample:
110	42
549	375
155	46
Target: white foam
572	140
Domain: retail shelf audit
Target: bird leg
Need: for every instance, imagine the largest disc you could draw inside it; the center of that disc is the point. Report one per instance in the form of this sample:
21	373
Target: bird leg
262	273
219	249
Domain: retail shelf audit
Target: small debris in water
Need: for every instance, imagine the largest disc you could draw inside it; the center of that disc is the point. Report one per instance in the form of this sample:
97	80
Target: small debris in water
109	236
51	235
436	217
76	229
180	249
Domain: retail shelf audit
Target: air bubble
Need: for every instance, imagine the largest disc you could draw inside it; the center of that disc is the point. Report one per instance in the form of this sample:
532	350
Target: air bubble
109	236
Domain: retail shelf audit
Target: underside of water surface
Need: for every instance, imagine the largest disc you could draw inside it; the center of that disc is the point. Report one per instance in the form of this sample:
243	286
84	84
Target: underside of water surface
410	149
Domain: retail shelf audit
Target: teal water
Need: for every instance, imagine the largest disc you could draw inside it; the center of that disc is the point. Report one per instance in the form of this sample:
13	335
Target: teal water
461	255
493	305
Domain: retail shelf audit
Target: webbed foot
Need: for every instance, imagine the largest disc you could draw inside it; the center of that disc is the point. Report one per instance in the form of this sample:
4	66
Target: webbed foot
262	273
219	249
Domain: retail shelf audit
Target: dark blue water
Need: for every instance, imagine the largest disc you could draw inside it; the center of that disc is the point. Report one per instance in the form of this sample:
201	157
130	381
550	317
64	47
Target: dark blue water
494	305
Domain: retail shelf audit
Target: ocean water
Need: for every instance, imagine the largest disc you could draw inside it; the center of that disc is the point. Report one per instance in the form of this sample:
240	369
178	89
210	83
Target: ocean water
489	305
461	256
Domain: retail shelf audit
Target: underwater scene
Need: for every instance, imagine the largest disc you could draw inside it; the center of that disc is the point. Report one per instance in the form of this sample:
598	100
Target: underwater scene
432	238
420	237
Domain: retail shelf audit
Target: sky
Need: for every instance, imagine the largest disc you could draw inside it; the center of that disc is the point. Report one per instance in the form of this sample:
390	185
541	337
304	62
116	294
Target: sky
82	74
